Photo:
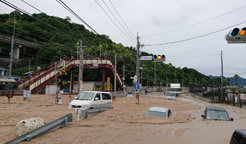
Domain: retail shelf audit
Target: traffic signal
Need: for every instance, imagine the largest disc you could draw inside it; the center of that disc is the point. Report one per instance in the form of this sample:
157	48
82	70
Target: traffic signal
236	36
63	68
159	58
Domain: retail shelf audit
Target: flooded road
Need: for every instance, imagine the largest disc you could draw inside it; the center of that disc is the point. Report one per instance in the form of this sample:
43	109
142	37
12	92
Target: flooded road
126	123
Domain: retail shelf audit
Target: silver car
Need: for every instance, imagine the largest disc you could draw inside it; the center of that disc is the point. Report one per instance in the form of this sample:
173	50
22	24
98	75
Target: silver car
170	95
130	94
159	112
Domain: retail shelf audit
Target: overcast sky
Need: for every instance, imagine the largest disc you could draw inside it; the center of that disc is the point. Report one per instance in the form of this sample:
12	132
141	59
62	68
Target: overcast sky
148	17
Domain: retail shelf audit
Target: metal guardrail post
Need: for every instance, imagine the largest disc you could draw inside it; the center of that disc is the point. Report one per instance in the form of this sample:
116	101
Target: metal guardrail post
44	129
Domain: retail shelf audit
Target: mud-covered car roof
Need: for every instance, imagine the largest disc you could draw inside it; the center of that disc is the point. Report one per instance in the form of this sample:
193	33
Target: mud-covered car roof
242	132
215	108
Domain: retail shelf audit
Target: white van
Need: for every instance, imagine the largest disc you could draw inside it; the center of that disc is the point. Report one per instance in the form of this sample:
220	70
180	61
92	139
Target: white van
91	100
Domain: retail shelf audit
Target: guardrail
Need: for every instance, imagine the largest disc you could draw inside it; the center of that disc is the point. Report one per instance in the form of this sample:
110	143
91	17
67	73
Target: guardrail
88	112
44	129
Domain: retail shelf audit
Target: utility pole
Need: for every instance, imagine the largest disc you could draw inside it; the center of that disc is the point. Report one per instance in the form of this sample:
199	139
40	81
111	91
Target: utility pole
11	53
175	76
141	77
80	80
166	78
137	69
29	67
154	74
182	80
115	64
124	79
221	89
137	59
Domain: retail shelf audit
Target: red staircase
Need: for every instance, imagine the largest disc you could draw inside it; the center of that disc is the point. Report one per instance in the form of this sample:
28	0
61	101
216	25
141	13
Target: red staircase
40	78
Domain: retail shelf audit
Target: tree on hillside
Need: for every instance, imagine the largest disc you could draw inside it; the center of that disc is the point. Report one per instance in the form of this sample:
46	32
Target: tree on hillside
236	76
228	81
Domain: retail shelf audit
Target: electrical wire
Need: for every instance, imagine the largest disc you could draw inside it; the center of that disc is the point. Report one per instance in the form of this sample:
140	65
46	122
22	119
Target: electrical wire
37	41
32	6
113	21
196	36
5	8
72	12
197	56
117	20
197	23
121	18
26	54
24	12
34	35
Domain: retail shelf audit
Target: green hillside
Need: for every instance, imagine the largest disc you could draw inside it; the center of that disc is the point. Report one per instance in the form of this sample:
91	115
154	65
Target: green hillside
56	45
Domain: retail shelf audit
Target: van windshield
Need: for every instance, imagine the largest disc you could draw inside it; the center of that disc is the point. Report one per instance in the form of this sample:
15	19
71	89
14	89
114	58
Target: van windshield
170	94
85	96
175	89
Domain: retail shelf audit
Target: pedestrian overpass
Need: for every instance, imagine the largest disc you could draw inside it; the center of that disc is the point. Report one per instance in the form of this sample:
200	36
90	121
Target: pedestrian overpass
40	78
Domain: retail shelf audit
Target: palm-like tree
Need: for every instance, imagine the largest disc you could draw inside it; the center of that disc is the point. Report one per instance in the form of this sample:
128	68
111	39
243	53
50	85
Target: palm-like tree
236	76
228	81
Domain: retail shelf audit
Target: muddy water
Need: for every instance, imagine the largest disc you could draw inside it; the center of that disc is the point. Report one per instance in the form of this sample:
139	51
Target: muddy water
126	123
198	131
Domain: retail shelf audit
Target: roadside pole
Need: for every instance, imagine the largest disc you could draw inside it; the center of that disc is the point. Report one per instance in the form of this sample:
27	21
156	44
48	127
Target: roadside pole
137	69
124	79
115	74
221	89
80	79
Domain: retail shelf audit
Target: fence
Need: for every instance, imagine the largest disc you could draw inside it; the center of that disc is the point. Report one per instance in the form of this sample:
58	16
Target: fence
230	96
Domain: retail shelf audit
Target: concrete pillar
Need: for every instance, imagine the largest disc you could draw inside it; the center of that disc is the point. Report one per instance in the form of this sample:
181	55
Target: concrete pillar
103	79
72	80
16	52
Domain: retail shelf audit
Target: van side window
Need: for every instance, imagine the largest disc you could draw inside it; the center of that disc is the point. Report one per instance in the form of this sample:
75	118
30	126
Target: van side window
98	96
106	96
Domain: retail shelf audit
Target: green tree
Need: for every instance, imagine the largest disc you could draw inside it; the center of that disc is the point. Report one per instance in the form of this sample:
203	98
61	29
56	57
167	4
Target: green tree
228	81
236	76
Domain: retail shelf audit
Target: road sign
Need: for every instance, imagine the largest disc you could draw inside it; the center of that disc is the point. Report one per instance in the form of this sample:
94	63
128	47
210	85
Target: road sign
124	86
81	87
59	95
135	78
146	58
136	86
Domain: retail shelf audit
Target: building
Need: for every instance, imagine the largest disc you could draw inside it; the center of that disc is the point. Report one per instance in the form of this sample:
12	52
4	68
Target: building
4	72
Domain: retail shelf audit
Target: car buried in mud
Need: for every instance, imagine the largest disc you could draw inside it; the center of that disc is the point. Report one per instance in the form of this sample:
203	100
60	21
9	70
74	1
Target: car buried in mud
216	113
159	112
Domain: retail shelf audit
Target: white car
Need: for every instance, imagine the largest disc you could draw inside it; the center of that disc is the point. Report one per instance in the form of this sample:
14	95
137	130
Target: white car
130	94
170	95
91	100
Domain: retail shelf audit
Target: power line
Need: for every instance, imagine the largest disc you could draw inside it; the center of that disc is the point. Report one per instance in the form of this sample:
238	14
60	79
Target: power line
72	12
5	8
117	20
113	21
37	41
34	35
121	18
197	56
196	23
26	54
24	12
32	6
195	37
